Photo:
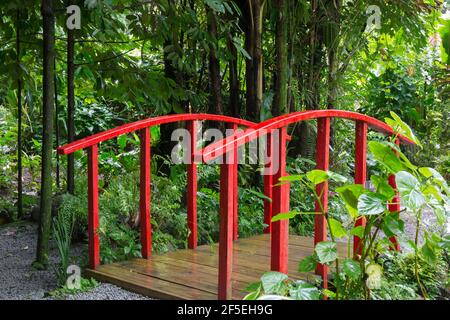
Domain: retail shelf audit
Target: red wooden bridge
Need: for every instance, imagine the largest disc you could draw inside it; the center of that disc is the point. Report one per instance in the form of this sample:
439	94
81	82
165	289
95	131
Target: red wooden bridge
222	271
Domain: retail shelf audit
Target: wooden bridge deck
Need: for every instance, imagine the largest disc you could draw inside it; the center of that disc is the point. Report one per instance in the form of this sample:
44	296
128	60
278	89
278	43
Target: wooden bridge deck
192	274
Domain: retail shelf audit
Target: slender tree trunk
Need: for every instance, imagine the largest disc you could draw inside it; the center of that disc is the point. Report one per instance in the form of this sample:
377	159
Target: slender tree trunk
258	9
316	64
19	122
70	108
281	71
234	80
47	133
55	82
253	23
215	80
334	19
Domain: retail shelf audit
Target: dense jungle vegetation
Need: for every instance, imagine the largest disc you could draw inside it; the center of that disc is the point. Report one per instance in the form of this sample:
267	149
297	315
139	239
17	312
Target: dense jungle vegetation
255	60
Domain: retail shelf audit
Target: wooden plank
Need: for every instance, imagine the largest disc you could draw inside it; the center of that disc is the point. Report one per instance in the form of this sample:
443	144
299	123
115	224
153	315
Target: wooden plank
145	285
183	275
192	274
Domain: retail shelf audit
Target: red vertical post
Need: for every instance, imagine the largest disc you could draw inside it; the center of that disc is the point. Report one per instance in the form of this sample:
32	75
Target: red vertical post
192	187
144	189
235	186
360	173
94	242
395	205
322	162
280	229
226	230
268	182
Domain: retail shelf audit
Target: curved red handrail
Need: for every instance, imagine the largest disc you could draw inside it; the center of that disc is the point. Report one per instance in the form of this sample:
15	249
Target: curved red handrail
130	127
219	148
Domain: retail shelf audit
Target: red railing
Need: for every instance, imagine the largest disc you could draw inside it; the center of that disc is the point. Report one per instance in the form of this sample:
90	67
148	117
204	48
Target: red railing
91	144
280	193
228	180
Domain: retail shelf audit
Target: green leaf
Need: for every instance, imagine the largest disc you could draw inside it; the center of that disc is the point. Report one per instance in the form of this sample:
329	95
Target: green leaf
273	282
290	215
337	177
304	291
392	225
371	203
386	156
350	194
216	5
336	228
437	177
358	231
259	194
122	141
401	127
409	188
351	268
383	187
284	216
326	251
308	264
429	251
291	178
253	287
317	176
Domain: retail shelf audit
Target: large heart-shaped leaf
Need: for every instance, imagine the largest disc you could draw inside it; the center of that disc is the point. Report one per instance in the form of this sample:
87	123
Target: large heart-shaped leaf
305	291
350	194
273	282
308	264
383	187
392	225
409	188
386	156
326	251
371	203
317	176
351	268
336	228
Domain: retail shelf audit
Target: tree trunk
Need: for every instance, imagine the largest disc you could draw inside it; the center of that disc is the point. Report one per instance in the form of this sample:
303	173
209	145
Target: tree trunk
234	80
332	42
19	122
281	72
47	133
215	80
316	64
252	24
57	133
70	108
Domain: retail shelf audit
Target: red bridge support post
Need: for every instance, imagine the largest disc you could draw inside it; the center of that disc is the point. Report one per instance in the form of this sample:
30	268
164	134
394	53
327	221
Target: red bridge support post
192	187
144	199
395	205
280	229
226	229
360	173
268	182
94	242
235	165
322	163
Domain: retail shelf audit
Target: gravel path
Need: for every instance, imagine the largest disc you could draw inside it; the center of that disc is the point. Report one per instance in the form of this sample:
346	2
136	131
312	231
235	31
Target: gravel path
18	280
